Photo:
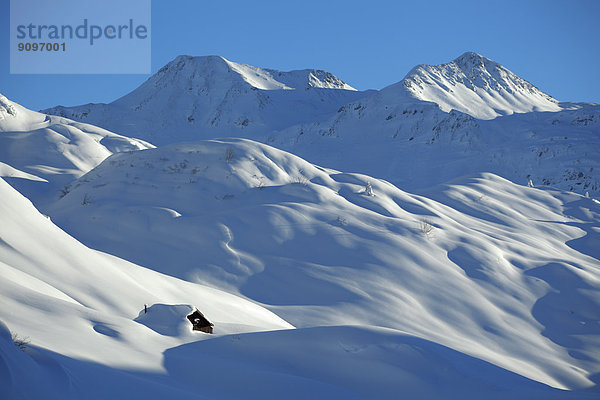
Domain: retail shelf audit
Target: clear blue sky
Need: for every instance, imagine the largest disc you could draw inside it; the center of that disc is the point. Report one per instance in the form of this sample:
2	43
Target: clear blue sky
553	44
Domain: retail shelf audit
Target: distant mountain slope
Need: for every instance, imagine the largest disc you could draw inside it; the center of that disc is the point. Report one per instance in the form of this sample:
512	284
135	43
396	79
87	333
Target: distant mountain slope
474	85
415	144
37	148
480	265
193	98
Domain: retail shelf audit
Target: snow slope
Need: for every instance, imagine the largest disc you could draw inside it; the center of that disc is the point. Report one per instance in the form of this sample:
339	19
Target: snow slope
331	362
37	148
81	312
194	98
501	272
350	363
72	300
474	85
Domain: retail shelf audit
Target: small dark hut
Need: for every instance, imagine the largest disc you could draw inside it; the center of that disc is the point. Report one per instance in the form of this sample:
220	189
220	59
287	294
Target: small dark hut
199	322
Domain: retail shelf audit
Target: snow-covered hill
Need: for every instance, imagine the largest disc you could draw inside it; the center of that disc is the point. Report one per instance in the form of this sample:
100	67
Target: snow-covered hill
78	313
72	301
474	85
483	266
194	98
40	154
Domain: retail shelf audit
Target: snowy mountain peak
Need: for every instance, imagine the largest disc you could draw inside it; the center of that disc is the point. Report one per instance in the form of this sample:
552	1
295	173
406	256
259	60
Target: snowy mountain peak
206	70
192	98
474	60
475	85
488	74
186	62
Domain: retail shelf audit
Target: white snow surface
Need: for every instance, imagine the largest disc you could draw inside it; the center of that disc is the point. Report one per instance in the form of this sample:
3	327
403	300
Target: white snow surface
45	148
81	304
499	298
269	79
504	273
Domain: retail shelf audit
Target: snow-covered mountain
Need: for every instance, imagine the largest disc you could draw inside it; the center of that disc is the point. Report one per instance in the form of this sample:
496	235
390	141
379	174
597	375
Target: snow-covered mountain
204	97
474	85
438	123
39	153
194	98
480	266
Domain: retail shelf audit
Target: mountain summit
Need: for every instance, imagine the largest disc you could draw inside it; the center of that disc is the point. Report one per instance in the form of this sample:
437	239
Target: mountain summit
204	69
193	98
475	85
220	78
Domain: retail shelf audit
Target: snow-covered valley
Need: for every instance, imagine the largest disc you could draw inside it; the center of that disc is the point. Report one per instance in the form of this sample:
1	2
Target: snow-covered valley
345	244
